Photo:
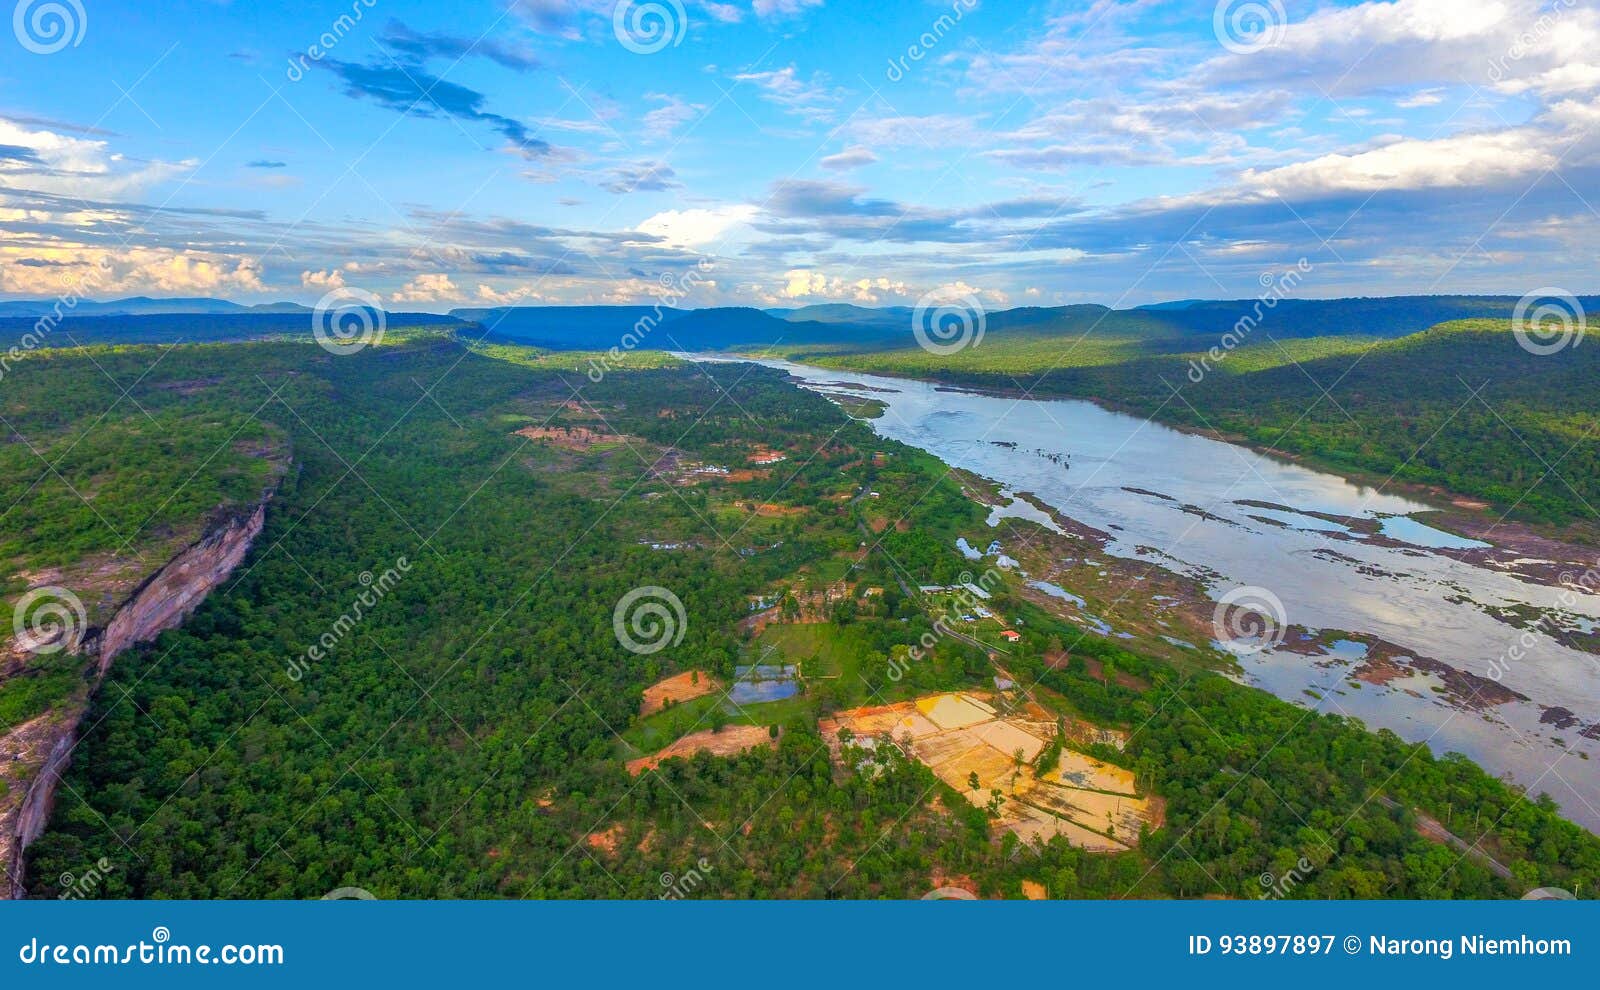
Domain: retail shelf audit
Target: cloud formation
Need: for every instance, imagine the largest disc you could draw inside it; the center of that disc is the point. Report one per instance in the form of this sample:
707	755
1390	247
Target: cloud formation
1117	150
415	92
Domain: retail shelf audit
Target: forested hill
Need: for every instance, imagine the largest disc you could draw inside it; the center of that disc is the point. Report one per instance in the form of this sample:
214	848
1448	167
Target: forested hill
843	327
1393	316
836	326
75	330
664	328
142	306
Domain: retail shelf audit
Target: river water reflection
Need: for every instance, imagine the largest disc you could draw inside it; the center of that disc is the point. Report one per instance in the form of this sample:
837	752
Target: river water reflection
1185	513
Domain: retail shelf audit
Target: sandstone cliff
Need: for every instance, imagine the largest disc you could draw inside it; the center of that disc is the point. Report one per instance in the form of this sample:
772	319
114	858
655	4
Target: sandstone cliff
34	755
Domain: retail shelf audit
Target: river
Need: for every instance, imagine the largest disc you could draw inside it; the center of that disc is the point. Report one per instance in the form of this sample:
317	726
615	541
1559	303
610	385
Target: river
1082	460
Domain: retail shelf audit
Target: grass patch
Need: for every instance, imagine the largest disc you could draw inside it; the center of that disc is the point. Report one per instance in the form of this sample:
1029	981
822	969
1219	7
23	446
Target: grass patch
822	649
651	734
34	691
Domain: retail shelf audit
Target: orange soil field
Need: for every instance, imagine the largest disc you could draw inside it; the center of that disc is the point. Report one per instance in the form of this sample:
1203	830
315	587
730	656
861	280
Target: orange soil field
569	438
678	688
731	741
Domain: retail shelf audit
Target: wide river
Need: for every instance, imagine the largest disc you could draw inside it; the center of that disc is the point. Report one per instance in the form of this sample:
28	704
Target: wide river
1081	460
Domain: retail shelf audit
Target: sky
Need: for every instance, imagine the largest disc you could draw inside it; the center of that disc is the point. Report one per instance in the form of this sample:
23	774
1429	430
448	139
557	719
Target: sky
789	152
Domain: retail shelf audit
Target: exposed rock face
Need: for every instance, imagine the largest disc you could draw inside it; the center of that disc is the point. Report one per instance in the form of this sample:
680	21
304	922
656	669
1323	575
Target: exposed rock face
162	602
171	593
34	811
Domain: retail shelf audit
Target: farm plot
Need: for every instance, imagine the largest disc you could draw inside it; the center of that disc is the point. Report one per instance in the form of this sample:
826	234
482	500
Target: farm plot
988	757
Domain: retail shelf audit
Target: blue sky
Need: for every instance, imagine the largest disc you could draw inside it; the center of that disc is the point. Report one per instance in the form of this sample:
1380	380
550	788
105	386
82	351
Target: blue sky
797	151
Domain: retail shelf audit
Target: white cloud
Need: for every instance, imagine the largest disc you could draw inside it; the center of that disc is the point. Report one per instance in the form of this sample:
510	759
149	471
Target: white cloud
660	123
849	158
799	283
931	131
1421	98
427	287
322	280
98	272
811	98
1510	45
75	166
1453	162
873	290
810	284
640	176
695	227
508	297
726	13
783	8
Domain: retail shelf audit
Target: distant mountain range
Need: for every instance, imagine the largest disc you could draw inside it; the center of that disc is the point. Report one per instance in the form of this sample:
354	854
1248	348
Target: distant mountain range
848	326
837	325
187	327
667	329
144	306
